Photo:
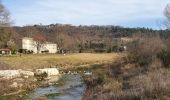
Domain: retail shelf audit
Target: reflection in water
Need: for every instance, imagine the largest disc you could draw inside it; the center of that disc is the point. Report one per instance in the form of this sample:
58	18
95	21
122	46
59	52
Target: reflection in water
72	90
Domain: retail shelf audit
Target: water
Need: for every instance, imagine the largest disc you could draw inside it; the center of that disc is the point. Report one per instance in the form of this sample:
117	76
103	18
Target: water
72	90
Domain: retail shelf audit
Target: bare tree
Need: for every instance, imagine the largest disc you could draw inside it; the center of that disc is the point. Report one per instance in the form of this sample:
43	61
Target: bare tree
11	44
4	16
60	40
167	15
5	31
39	41
81	38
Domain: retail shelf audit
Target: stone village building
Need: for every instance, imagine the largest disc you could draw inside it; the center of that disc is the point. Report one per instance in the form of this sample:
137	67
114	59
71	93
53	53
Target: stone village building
29	44
5	52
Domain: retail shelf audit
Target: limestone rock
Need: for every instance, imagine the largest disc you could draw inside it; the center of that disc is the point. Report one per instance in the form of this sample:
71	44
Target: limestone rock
15	73
9	73
49	71
14	85
26	73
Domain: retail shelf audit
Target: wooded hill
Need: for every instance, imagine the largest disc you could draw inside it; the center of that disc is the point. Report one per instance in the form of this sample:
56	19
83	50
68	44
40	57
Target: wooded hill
71	37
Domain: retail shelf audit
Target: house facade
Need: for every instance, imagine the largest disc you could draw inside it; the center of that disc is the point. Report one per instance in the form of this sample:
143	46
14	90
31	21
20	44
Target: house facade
30	44
5	52
51	47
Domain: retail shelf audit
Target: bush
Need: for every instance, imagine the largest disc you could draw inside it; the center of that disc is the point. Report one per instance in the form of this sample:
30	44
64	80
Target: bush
144	60
41	77
164	56
143	50
109	50
100	80
115	48
99	50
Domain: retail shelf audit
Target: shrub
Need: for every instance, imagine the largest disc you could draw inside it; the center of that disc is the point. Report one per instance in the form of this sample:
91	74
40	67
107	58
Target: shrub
41	77
109	50
115	48
144	49
99	50
100	80
164	56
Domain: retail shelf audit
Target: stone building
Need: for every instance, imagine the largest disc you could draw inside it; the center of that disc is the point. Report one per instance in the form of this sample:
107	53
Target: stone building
30	45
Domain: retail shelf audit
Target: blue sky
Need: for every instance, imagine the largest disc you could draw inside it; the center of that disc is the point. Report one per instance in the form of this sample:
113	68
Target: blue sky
127	13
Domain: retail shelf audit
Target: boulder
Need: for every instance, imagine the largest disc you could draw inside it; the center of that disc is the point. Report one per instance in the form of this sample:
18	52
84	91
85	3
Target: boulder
9	73
14	85
15	73
48	71
26	73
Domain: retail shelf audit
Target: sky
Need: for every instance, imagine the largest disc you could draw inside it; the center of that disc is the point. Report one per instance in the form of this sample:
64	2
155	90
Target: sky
127	13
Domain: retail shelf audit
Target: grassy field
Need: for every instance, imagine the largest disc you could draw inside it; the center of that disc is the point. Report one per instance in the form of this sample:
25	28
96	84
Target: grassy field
59	60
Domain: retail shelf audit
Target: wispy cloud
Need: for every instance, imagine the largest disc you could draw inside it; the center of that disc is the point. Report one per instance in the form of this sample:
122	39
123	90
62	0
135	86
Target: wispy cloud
101	12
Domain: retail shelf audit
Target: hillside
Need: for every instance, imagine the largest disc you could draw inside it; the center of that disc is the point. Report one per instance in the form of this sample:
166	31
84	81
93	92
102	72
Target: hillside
83	37
76	38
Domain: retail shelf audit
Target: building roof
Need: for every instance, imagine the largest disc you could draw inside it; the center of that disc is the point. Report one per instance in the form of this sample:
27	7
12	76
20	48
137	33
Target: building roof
5	49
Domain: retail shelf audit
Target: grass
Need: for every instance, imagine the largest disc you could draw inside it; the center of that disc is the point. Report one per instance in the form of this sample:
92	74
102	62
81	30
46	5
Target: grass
59	60
67	62
124	81
24	85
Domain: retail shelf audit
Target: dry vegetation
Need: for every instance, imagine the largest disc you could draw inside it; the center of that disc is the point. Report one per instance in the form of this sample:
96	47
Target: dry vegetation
143	74
10	91
58	60
68	61
128	83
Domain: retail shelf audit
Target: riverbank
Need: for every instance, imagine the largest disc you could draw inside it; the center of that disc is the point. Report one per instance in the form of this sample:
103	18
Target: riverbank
68	86
16	88
126	81
74	63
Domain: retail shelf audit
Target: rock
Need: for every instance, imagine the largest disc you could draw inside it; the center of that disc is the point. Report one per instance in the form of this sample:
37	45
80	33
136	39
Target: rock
19	80
49	71
14	85
26	73
9	73
15	73
34	79
26	76
69	72
52	79
50	84
20	85
88	73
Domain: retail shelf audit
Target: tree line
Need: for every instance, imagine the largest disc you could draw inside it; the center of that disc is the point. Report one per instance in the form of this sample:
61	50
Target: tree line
84	37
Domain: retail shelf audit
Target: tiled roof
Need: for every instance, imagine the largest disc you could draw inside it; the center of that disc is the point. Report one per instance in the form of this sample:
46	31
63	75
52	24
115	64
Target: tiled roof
3	49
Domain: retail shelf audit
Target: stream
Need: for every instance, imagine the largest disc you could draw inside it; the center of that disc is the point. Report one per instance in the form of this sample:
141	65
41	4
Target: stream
72	89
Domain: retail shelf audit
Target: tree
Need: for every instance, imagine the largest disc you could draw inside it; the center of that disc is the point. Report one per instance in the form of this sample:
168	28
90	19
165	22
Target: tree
39	41
5	34
4	16
167	15
5	31
12	45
